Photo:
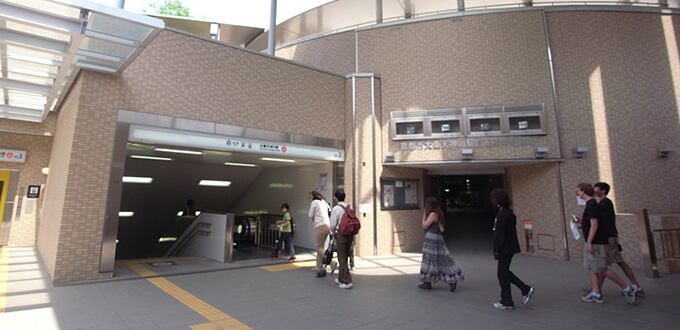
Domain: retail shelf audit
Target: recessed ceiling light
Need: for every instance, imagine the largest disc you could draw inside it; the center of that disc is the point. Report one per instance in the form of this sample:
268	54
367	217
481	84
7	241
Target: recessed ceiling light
281	185
278	160
125	214
150	157
137	179
180	151
214	183
240	164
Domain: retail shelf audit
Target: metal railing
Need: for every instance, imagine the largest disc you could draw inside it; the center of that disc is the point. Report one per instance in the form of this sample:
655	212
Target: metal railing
267	233
670	243
184	240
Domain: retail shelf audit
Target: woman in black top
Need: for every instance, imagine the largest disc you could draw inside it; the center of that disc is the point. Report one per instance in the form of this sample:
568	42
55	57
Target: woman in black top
505	245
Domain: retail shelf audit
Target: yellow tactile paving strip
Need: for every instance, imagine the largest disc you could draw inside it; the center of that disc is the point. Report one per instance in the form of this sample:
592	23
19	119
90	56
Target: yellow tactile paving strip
289	266
217	318
4	271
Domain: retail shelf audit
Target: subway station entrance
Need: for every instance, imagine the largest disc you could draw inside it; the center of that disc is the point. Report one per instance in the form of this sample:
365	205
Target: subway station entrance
465	200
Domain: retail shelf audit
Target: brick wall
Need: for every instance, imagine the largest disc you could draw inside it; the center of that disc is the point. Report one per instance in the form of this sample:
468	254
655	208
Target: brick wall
196	79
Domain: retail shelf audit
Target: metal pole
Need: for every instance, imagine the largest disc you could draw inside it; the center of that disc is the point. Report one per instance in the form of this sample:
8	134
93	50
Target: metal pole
272	29
647	245
378	12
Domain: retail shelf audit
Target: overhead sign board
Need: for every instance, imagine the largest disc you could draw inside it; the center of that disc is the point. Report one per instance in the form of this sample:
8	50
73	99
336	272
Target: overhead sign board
11	155
221	142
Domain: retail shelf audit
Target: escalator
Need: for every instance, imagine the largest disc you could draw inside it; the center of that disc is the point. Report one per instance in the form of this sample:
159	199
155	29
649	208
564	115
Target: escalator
249	232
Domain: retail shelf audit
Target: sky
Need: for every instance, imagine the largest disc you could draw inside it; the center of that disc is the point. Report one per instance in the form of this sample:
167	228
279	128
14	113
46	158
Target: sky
253	13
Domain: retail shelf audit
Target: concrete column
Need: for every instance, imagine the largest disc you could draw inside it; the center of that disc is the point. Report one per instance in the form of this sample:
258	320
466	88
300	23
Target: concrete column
272	29
363	161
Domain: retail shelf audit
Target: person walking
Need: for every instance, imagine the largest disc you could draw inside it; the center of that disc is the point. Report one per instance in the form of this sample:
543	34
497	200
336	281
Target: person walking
505	245
286	228
343	243
437	263
594	253
318	212
613	252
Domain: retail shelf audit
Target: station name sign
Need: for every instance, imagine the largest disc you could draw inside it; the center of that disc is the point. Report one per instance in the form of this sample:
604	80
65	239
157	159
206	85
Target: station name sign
221	142
11	155
468	143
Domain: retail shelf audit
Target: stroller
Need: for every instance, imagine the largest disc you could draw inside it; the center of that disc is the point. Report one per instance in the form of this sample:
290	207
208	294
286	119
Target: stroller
328	260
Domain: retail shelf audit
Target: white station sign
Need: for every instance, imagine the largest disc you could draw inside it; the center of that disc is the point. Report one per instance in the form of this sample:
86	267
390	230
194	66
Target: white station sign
11	155
221	142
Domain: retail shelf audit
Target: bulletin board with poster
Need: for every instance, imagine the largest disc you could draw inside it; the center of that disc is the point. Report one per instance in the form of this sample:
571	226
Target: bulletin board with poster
399	194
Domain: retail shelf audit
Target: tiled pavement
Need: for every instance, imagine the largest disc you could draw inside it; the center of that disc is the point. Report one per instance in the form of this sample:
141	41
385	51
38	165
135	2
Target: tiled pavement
265	294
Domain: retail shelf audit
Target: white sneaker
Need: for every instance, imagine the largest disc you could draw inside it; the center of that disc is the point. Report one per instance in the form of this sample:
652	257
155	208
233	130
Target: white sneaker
345	285
337	281
630	293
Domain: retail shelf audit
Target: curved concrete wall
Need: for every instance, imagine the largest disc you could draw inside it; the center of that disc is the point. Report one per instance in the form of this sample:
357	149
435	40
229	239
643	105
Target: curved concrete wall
616	83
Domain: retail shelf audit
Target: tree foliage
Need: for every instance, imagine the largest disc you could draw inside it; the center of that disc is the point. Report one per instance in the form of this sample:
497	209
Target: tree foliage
171	8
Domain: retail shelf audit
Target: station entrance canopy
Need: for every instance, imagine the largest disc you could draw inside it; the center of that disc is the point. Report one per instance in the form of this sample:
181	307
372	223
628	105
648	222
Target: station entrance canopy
44	44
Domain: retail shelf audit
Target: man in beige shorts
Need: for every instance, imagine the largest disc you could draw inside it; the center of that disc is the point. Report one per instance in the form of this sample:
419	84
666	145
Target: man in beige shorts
594	253
613	249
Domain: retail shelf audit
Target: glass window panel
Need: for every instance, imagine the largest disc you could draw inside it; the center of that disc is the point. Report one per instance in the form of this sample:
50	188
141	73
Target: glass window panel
89	62
32	68
485	125
446	126
38	31
106	48
26	100
30	78
399	194
118	28
525	123
26	54
50	7
410	128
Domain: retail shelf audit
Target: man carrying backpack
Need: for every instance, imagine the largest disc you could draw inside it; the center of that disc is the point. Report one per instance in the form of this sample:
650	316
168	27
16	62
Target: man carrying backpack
342	215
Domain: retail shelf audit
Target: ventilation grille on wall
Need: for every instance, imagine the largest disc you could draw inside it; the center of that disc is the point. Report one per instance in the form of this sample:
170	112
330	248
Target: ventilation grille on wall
445	112
523	108
491	109
409	114
483	110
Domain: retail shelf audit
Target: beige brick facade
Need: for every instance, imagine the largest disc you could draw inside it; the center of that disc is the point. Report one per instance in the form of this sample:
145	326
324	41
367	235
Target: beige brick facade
616	95
615	74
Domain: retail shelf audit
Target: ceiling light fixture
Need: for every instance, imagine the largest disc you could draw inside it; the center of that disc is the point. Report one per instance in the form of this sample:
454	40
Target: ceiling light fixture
137	179
281	185
240	164
125	214
278	160
214	183
180	151
150	157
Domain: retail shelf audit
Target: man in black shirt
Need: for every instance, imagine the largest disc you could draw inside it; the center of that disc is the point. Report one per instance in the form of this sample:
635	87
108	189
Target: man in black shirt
594	253
613	252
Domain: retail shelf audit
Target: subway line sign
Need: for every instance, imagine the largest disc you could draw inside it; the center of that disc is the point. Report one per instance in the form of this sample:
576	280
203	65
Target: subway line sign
220	142
11	155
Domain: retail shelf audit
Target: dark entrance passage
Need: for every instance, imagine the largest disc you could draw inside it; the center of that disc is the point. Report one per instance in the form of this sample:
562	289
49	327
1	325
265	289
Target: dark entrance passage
466	202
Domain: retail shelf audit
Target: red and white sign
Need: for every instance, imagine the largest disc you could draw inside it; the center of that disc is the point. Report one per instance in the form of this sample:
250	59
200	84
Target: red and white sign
11	155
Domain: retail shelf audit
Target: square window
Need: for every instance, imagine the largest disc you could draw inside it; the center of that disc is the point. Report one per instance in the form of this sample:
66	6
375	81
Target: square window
446	126
409	128
526	122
